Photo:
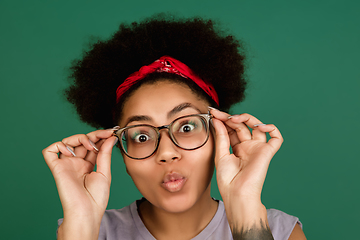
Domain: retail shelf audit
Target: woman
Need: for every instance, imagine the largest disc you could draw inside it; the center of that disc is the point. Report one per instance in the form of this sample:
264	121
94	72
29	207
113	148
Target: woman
160	82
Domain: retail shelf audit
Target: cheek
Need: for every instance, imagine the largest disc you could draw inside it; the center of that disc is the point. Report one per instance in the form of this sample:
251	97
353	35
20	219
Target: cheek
203	161
209	149
141	172
197	164
211	156
134	169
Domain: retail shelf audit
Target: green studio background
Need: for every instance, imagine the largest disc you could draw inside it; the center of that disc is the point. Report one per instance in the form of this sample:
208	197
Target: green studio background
304	73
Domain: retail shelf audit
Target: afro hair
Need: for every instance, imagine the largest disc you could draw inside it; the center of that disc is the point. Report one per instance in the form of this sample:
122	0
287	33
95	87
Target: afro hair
213	55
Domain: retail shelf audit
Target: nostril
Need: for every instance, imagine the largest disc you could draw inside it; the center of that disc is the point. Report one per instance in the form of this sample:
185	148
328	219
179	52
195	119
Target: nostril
162	160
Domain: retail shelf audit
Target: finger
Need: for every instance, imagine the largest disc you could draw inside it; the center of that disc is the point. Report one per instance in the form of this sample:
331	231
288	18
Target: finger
104	157
237	130
70	149
92	155
276	138
100	134
96	139
84	143
224	117
89	140
51	152
79	151
222	140
252	122
233	136
78	140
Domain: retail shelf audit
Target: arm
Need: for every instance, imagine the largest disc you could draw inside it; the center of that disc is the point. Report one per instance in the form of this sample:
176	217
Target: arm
241	175
83	192
297	233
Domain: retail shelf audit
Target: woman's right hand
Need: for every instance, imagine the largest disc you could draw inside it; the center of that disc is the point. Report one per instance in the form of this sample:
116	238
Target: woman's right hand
84	193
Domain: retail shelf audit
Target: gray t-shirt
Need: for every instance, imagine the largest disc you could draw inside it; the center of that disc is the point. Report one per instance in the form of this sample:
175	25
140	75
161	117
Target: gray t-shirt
126	224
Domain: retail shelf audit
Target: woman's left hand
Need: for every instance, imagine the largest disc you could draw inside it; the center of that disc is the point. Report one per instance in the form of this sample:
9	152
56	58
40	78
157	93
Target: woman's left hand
241	175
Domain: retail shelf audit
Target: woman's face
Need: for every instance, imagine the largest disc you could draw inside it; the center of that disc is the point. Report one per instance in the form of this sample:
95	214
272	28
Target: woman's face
172	179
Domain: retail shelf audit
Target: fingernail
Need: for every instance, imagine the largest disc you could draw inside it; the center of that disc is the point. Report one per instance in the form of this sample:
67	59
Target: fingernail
93	145
229	117
260	124
211	108
116	140
115	128
71	151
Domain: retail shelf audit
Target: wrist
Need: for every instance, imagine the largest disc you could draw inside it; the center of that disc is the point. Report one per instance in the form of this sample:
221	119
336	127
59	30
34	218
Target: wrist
248	220
245	213
78	229
79	226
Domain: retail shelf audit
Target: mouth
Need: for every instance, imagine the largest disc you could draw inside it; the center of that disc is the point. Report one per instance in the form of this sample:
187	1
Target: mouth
173	182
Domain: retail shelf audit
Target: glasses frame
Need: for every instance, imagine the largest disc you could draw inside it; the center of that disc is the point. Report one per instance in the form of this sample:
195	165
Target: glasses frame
205	116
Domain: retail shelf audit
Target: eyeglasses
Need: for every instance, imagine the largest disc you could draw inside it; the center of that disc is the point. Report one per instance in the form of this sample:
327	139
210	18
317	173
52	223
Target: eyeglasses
187	132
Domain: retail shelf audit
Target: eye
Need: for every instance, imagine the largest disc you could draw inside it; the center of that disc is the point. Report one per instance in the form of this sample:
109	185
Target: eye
187	127
140	138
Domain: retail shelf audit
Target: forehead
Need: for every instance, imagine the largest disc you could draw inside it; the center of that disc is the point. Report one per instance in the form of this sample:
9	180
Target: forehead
158	99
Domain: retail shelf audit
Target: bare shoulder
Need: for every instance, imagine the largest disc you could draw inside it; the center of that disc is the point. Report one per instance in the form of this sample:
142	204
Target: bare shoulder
297	233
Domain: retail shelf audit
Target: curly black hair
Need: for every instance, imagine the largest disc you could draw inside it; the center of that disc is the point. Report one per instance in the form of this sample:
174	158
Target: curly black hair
214	56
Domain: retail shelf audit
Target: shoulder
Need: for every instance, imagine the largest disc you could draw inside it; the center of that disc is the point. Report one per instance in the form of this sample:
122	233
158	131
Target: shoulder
117	221
124	223
281	223
117	224
122	216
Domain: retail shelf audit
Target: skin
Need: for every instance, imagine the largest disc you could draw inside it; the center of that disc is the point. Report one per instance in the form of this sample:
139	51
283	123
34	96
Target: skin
170	215
176	212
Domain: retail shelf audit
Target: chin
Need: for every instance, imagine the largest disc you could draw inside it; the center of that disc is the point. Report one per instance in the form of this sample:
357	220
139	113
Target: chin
177	204
174	202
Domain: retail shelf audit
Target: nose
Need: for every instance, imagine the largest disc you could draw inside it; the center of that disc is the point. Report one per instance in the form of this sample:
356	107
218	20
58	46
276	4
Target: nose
167	151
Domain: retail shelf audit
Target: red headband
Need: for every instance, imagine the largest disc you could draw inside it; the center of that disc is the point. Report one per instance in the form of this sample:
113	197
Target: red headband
170	65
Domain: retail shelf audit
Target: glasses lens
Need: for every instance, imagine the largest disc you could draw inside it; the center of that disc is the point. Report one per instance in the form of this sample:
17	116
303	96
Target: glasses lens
139	141
190	132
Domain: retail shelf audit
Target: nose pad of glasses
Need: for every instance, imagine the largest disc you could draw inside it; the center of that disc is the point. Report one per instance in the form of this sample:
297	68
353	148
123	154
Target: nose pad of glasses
167	133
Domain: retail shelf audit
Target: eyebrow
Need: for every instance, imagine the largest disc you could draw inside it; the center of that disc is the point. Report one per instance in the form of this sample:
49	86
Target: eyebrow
170	114
181	107
138	118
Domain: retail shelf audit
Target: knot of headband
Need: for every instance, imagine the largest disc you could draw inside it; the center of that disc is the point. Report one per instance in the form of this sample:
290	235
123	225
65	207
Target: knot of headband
170	65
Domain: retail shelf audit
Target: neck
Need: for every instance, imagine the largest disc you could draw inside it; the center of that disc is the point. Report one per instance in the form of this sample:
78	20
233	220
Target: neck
183	225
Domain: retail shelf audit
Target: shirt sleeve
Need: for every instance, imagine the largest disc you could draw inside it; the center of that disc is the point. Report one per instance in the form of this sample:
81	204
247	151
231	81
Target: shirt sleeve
281	224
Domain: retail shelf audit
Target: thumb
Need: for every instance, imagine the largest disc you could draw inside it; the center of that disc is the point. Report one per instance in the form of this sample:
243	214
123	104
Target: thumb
104	157
222	140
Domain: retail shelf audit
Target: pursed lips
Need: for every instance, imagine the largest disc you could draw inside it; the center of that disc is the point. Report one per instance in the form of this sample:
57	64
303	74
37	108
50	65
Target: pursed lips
173	182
